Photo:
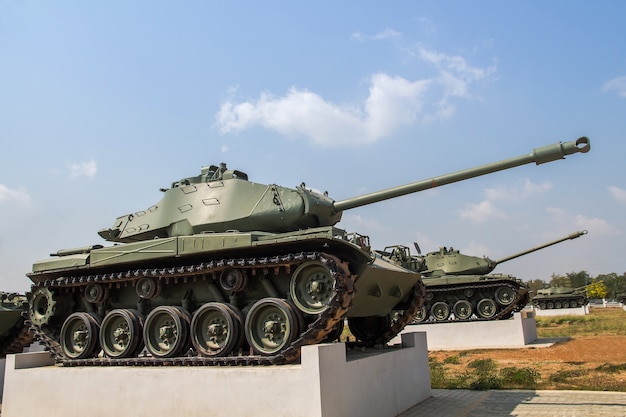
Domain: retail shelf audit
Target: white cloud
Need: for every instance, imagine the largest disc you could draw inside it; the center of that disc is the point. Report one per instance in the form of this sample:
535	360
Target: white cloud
517	194
393	102
385	34
83	169
9	195
618	194
225	148
616	84
481	212
596	226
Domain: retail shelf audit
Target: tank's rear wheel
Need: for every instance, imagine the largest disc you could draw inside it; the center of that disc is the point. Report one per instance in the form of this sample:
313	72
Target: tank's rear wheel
574	304
421	316
370	328
79	335
120	333
486	308
440	311
505	296
166	332
271	325
462	310
215	330
41	306
312	287
558	304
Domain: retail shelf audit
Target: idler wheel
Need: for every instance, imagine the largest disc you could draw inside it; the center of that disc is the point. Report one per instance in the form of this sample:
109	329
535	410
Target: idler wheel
216	329
312	287
440	311
271	325
147	288
41	306
120	333
462	310
370	328
79	335
96	293
421	316
166	331
486	308
505	296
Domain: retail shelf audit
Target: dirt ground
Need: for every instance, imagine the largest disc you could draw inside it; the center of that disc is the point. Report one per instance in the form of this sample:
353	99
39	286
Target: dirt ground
589	362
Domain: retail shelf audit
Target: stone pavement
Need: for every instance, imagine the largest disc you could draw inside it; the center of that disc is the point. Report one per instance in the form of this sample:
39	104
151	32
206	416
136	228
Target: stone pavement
523	403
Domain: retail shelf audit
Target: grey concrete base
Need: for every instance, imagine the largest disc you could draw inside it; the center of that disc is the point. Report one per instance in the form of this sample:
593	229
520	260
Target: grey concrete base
578	311
327	383
520	331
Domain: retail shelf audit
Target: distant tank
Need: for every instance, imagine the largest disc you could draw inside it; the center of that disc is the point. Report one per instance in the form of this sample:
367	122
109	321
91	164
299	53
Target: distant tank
560	297
461	287
14	333
225	271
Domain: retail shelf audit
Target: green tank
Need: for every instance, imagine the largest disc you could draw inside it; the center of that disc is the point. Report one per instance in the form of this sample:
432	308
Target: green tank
226	271
15	334
462	288
560	297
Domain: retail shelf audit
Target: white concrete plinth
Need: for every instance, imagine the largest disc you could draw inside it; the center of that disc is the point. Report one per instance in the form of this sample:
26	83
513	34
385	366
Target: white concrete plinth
327	383
517	332
578	311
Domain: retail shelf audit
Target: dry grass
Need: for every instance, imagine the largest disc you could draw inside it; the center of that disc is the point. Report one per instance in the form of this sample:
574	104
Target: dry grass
593	359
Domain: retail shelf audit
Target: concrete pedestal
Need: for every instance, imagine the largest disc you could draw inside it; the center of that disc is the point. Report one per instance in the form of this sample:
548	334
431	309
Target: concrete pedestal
327	383
517	332
578	311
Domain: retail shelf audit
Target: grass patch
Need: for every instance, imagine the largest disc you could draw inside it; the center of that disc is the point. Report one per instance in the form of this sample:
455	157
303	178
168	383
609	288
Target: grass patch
610	368
602	321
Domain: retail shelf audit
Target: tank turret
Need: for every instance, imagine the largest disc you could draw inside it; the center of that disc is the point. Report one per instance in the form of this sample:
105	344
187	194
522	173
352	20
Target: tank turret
225	271
220	199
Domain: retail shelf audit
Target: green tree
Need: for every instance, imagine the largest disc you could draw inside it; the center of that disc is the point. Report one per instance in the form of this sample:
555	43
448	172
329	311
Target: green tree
560	281
579	279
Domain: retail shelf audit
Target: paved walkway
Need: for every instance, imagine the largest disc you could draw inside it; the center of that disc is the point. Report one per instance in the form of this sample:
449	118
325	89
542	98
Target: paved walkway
466	403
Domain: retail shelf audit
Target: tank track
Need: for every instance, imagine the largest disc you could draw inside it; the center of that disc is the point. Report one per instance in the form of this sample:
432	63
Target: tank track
315	333
518	303
21	337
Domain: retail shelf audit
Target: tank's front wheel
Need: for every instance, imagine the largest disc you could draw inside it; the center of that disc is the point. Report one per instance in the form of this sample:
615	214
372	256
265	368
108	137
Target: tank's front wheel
271	325
486	308
369	329
216	330
120	333
312	287
505	296
166	332
79	335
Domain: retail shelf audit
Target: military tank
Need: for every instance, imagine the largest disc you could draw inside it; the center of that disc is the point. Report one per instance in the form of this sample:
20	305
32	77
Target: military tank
225	271
560	297
462	288
15	334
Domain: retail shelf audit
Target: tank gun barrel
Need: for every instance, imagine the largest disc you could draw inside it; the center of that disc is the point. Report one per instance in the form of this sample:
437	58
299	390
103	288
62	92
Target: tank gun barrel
539	156
536	248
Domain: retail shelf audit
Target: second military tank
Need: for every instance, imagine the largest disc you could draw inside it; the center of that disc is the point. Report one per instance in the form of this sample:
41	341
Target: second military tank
560	297
226	271
463	288
15	334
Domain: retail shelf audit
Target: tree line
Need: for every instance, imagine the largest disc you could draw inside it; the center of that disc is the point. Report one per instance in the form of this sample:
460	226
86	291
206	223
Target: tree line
609	286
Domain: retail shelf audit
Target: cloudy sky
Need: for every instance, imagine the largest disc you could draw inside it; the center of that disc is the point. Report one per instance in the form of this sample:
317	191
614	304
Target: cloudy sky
102	104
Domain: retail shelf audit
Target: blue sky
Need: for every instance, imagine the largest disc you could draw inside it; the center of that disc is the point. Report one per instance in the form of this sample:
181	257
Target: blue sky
101	104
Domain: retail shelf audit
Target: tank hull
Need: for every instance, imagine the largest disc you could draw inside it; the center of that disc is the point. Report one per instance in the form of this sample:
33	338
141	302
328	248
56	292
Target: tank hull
204	298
